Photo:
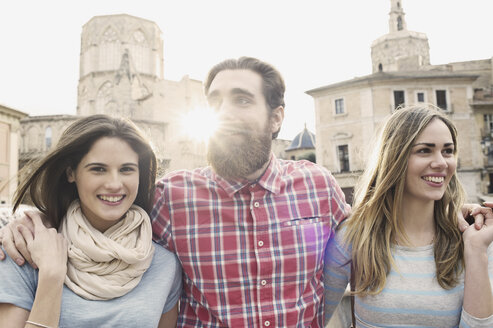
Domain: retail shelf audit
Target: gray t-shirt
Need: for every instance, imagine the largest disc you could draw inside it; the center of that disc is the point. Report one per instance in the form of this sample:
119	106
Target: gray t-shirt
157	292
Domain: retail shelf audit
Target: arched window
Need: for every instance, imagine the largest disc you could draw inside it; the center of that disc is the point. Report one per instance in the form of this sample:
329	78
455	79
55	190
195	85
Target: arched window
48	138
109	50
399	23
140	52
380	68
104	96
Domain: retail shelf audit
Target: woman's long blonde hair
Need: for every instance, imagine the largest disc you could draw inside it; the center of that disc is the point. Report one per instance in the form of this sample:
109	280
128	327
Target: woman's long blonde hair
375	225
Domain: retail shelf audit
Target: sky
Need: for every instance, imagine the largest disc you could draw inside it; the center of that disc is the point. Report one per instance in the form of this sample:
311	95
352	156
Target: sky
312	43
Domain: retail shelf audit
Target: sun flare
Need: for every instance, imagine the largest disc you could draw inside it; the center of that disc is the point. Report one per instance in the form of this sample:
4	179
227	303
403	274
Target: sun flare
199	123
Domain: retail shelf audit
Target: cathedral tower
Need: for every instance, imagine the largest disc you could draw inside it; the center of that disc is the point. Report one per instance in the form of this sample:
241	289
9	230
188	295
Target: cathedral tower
400	49
121	62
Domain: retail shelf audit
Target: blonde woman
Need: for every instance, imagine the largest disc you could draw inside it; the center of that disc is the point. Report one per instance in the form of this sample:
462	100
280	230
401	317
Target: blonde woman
412	267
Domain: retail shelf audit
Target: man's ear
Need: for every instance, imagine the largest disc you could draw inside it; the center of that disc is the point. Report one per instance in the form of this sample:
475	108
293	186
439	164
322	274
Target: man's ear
70	174
276	118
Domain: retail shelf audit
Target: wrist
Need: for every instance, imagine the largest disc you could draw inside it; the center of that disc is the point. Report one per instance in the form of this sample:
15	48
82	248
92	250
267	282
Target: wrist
52	275
475	252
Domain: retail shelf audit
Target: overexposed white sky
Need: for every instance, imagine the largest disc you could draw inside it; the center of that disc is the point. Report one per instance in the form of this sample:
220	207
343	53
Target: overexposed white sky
312	42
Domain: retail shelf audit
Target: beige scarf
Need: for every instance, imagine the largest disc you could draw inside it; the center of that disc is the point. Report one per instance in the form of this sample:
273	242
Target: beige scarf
103	266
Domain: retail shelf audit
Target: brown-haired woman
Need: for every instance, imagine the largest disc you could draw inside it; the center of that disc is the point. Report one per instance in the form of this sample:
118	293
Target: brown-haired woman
98	265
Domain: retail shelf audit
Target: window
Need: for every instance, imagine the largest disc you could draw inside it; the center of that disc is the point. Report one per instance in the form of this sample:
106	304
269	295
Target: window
488	123
398	98
343	154
399	23
420	97
48	135
339	104
441	99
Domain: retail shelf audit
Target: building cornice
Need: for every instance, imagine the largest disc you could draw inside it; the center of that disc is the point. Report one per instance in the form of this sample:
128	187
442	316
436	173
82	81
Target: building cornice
393	76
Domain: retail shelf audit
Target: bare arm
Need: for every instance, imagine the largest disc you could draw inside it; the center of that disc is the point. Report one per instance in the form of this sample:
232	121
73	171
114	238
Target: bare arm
12	316
49	252
168	320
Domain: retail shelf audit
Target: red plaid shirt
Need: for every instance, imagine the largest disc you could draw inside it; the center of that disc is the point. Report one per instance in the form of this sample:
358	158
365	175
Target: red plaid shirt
252	253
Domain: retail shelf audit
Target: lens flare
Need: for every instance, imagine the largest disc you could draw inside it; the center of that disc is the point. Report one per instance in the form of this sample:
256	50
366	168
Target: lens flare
199	124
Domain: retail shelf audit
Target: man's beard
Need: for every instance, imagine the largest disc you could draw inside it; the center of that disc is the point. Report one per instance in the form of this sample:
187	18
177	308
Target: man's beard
236	160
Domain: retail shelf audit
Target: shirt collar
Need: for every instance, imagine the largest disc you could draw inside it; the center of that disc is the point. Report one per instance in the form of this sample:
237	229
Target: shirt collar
269	180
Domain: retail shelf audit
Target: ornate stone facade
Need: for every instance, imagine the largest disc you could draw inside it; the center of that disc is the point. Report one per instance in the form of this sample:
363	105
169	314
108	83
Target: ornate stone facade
9	156
121	74
349	113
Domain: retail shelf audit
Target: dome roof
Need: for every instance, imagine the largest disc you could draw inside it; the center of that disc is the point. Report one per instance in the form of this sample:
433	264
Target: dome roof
304	140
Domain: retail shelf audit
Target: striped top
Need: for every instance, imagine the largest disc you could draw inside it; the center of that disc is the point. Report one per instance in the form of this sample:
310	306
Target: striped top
412	296
252	253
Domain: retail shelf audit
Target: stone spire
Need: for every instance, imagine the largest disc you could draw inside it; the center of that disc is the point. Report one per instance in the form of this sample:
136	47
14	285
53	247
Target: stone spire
400	49
397	21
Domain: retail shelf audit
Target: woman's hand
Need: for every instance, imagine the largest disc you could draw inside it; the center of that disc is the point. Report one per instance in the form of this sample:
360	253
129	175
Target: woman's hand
472	213
13	241
48	248
480	239
478	298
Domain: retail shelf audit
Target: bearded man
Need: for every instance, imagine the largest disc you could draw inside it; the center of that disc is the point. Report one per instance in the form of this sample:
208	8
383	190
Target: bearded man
250	230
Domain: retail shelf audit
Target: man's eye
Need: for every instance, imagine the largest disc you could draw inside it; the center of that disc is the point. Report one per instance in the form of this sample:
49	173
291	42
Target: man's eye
242	101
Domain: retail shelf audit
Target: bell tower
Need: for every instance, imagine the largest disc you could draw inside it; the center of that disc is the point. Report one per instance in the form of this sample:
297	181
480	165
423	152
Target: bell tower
400	49
121	65
397	21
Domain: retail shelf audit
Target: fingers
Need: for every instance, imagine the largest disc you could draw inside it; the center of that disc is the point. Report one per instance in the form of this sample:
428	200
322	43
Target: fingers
38	223
21	245
488	204
34	218
481	215
463	224
26	234
10	248
478	221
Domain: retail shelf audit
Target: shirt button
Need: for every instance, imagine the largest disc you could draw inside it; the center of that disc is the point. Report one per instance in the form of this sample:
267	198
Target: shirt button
256	204
263	282
267	323
261	243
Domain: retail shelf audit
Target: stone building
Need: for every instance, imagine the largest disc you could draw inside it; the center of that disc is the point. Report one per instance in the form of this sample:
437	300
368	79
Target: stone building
122	74
349	113
9	145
